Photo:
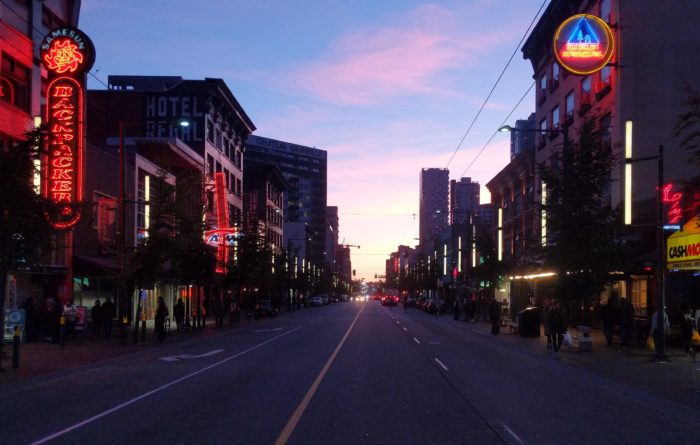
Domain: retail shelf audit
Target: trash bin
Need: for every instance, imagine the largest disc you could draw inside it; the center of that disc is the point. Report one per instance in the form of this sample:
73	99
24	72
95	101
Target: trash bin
529	322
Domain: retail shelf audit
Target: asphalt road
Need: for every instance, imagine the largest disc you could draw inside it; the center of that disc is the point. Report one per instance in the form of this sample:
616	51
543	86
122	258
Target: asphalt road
348	373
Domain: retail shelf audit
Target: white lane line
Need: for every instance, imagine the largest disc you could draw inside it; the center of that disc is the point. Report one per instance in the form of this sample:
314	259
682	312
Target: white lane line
405	330
441	364
398	322
515	436
416	340
154	391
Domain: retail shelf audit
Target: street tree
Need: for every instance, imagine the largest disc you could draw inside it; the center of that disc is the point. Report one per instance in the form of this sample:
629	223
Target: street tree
25	231
580	242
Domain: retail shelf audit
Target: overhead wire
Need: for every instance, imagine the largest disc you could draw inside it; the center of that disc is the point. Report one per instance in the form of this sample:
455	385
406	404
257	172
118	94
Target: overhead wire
483	105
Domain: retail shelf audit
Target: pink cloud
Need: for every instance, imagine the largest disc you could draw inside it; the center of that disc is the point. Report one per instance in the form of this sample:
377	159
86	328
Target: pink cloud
412	56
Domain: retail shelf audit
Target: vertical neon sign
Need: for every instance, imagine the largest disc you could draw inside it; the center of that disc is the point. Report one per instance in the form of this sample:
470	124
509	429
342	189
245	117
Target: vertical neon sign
67	54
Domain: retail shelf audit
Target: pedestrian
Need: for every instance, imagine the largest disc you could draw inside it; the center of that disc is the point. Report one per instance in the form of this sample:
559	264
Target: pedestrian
161	315
557	325
70	316
610	315
495	316
455	309
179	314
687	326
659	329
109	311
545	322
627	313
96	315
218	309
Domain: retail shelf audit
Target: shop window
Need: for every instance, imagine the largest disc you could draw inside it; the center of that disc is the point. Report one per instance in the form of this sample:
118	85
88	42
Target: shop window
15	82
638	295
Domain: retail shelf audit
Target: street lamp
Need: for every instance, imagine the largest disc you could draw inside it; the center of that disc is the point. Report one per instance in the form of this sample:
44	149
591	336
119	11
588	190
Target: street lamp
550	131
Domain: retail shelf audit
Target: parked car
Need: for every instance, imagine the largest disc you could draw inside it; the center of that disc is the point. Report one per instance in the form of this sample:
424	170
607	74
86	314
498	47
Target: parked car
264	308
316	301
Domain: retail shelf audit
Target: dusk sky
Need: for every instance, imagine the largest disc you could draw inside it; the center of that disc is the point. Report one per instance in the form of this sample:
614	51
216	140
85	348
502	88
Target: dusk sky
385	87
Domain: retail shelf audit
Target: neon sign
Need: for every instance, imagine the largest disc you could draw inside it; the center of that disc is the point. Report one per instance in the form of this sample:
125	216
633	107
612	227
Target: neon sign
583	44
67	54
675	212
224	236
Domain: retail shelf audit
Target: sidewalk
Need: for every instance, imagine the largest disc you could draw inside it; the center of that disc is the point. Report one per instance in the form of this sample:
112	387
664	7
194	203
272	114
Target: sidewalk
676	379
41	357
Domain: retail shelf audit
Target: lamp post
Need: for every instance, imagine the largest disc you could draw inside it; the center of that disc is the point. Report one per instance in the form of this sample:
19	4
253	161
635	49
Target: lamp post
551	131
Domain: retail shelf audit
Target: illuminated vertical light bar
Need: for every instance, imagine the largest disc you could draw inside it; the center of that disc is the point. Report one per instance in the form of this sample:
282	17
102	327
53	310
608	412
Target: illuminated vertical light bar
500	234
147	206
272	258
37	162
459	254
296	266
473	246
444	259
628	173
543	220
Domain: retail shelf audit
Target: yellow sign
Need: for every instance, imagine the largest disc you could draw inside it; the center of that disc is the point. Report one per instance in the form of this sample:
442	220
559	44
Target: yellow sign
683	247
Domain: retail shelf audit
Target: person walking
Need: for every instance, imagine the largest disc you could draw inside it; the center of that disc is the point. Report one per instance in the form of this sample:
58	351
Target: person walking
545	322
218	309
70	314
626	321
557	325
659	329
161	315
97	316
610	316
687	325
108	314
495	316
179	314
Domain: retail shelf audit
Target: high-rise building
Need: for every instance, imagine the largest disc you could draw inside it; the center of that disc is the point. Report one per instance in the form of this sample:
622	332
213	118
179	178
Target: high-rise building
523	138
305	169
433	204
464	199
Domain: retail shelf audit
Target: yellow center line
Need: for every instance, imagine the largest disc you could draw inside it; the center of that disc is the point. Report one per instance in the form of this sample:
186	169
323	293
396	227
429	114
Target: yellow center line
299	411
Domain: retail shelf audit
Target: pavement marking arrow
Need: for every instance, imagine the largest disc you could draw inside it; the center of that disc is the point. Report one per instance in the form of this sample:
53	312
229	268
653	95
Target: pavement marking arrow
174	358
267	330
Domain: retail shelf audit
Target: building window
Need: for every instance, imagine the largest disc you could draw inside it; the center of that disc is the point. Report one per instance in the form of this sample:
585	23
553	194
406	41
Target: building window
586	85
210	131
210	166
570	105
218	141
15	83
638	295
555	117
605	75
543	127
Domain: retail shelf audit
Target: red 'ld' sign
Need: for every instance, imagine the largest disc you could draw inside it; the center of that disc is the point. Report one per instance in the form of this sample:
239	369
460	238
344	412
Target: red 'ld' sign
67	54
583	44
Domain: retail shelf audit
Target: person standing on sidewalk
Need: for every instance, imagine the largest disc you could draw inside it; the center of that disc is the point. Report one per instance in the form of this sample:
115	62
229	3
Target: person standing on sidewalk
96	313
108	314
557	325
659	329
70	314
495	316
179	313
626	321
161	315
610	316
687	326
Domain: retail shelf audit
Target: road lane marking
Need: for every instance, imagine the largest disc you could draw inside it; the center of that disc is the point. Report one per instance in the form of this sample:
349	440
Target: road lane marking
405	330
515	436
299	411
174	358
268	330
441	364
154	391
416	340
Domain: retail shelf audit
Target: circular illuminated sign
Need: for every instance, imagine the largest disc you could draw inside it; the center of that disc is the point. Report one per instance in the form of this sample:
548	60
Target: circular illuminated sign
67	51
583	44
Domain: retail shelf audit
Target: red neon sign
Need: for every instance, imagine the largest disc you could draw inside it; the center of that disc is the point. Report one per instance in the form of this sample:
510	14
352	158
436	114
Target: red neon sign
583	44
224	236
63	56
67	54
63	165
675	212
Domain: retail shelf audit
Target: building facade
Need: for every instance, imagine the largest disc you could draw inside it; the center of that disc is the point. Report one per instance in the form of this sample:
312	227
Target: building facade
638	95
464	199
305	169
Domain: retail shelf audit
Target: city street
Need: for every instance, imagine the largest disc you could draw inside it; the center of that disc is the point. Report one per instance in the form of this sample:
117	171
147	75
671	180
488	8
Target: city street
346	373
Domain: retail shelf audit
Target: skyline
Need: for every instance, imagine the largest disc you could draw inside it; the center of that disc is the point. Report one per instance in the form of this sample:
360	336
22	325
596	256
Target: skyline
385	89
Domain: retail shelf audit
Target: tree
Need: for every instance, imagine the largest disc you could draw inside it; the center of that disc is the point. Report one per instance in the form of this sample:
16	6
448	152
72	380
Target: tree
580	220
25	231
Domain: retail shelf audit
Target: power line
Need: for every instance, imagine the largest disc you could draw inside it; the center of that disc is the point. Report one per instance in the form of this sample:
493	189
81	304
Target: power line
496	132
478	113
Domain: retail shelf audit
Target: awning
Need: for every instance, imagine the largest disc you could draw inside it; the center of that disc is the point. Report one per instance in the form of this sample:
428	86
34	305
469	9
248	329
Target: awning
91	266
